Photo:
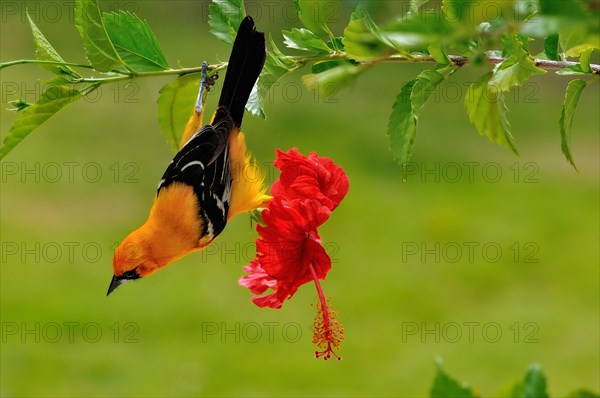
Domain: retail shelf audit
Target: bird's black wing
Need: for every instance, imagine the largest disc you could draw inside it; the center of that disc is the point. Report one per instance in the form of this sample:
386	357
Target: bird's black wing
203	164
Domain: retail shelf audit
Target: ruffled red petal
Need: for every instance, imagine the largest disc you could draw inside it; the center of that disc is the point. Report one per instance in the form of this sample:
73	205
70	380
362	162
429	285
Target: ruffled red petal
287	247
257	280
311	177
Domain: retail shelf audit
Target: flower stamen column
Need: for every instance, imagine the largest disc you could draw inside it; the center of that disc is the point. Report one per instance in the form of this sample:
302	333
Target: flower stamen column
327	330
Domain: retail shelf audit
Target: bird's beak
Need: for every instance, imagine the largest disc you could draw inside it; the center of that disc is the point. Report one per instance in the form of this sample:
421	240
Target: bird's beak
115	283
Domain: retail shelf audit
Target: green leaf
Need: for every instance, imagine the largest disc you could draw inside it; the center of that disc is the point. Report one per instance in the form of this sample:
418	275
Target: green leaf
134	41
535	383
571	70
225	17
313	14
582	68
402	124
438	52
578	38
331	80
363	39
581	393
322	66
98	47
415	5
176	102
255	104
566	8
52	100
337	44
445	386
303	39
276	65
487	112
551	47
64	79
474	12
415	32
572	95
569	18
584	60
19	105
516	69
256	217
532	386
45	52
512	72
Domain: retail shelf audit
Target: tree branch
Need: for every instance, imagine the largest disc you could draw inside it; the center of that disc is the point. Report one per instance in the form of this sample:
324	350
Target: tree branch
458	60
39	61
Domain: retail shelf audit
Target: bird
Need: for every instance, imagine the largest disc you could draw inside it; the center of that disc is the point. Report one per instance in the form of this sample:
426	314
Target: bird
212	177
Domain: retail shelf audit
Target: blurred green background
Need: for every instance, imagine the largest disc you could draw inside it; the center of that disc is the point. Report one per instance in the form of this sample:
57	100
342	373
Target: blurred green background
404	293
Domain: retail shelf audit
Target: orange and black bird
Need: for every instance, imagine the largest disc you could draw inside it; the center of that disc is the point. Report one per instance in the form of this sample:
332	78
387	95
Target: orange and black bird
210	179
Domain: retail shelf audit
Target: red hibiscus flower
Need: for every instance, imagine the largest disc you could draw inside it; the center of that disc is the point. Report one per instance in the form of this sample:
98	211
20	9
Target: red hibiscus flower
289	250
309	177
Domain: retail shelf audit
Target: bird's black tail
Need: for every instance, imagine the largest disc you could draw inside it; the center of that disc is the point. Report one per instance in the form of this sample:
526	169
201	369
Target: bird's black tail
245	63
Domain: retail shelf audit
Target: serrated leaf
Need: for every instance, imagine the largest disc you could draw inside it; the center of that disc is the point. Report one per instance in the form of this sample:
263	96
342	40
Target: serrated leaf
225	17
575	39
571	70
532	386
45	52
256	216
313	14
572	95
331	80
438	53
551	47
516	69
322	66
363	40
511	73
63	80
52	100
402	124
99	50
415	32
569	8
583	68
336	44
445	386
474	12
176	102
535	383
487	112
134	41
276	65
582	393
254	104
303	39
584	60
569	18
19	105
415	5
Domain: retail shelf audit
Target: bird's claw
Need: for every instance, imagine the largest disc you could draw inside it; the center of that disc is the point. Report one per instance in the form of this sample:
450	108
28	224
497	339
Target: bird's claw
207	81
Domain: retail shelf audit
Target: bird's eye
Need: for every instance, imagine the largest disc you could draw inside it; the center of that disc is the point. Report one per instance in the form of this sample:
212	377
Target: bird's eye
131	274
